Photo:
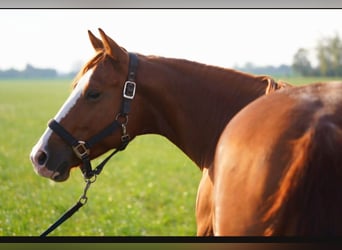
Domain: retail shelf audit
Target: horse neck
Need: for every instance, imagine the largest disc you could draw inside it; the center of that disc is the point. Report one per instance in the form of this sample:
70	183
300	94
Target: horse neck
190	103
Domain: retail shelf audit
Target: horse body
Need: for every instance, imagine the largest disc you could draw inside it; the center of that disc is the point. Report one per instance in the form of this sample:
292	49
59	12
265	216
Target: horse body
187	102
278	166
207	100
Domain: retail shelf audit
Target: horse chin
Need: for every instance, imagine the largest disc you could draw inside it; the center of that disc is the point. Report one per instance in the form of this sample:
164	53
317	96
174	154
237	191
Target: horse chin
62	173
57	177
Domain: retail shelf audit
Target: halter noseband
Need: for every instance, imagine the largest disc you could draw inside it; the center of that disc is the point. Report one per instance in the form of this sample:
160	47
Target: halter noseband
82	148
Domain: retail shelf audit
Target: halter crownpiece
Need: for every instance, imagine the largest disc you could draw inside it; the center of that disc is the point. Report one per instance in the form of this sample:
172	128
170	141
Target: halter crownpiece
130	85
82	148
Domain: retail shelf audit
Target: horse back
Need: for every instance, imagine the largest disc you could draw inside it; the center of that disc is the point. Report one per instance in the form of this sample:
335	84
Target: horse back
277	165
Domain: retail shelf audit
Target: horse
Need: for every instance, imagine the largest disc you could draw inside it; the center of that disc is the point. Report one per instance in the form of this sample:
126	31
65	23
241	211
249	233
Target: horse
278	165
119	95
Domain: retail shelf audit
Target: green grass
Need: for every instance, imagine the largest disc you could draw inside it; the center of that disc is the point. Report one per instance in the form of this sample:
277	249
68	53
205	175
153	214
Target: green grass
306	80
149	189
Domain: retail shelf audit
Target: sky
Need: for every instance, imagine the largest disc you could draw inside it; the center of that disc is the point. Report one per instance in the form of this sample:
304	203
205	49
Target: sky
57	38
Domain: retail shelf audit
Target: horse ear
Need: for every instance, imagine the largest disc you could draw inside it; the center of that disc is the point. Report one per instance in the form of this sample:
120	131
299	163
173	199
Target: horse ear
111	48
97	43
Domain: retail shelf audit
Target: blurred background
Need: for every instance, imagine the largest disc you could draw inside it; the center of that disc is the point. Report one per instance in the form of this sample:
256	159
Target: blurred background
141	191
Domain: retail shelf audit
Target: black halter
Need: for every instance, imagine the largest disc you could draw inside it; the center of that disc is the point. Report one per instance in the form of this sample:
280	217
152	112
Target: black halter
82	148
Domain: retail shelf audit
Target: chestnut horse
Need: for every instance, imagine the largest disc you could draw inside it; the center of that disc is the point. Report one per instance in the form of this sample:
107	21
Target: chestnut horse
278	165
187	102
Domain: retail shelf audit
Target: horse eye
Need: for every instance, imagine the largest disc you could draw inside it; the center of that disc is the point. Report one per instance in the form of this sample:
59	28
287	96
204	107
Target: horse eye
93	95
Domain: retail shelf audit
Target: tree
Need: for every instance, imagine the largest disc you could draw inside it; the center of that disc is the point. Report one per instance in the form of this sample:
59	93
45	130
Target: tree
329	58
301	63
335	50
322	57
329	55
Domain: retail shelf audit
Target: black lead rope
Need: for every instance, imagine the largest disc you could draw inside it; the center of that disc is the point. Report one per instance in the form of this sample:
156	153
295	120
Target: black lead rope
83	199
81	202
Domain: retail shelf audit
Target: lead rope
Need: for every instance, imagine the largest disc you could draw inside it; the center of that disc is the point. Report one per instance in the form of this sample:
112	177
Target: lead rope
83	199
81	202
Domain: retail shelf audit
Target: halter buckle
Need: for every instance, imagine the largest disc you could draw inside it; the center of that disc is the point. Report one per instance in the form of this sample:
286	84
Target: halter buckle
81	150
129	90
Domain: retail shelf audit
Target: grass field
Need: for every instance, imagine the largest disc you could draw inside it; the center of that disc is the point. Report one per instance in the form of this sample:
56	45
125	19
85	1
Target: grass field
149	189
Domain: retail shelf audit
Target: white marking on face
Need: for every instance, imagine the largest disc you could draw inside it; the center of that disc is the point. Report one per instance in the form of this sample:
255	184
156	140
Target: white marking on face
64	110
74	96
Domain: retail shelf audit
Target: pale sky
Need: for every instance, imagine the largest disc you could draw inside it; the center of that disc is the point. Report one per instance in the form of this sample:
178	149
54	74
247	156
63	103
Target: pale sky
58	38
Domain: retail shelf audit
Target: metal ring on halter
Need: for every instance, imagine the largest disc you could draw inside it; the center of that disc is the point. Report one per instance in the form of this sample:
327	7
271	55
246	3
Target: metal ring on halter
124	117
91	179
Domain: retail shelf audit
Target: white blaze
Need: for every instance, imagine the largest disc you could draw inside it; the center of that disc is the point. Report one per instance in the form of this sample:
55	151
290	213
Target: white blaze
74	96
64	110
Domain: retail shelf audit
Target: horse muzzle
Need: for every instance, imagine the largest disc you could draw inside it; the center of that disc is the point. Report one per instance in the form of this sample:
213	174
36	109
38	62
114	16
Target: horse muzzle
48	166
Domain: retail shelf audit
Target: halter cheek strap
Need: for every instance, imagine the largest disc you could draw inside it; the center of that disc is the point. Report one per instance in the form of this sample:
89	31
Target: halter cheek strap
128	92
82	148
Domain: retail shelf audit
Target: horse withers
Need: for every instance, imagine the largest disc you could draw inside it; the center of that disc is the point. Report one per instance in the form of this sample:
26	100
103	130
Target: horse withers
119	95
278	165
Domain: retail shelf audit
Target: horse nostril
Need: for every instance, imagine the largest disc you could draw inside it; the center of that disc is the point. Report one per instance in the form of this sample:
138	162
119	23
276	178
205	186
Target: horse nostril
41	158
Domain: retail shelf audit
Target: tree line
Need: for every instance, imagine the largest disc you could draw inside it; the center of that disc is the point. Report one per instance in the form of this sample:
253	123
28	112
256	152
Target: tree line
33	72
282	70
28	72
329	58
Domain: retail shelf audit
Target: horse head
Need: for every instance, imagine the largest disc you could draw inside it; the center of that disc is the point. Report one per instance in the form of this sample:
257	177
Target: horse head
93	105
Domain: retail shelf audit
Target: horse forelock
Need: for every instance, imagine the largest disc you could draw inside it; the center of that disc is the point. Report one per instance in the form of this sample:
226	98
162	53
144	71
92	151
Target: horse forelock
99	56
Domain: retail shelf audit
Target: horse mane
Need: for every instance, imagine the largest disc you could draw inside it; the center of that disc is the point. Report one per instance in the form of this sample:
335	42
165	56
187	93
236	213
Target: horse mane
267	84
308	200
273	85
99	56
